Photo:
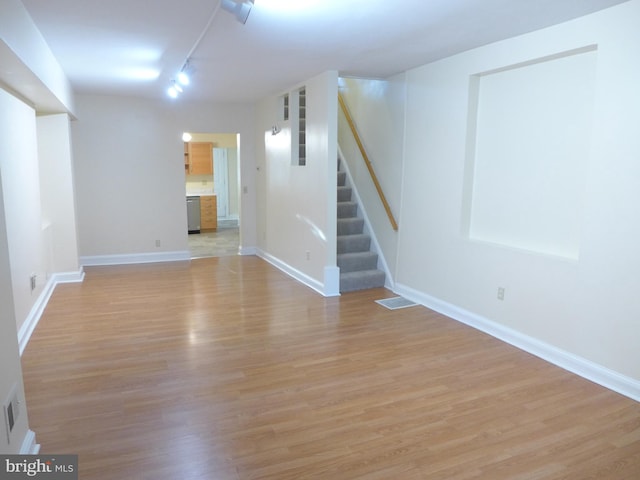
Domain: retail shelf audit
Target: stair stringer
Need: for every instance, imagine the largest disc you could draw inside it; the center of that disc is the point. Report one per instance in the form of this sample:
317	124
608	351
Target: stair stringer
362	213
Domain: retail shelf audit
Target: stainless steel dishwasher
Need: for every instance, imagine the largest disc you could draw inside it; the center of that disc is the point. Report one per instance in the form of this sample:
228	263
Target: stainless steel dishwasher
193	214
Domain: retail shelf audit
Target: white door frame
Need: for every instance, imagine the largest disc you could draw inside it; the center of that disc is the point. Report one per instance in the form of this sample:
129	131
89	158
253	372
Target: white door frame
221	181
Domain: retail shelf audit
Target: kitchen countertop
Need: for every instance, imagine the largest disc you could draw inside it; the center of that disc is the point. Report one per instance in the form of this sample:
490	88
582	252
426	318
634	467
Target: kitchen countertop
199	194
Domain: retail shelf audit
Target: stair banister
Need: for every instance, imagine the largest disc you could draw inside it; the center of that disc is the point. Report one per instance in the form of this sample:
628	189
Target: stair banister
356	136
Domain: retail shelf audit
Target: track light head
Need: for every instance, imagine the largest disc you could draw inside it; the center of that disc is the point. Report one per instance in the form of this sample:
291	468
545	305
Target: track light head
183	79
184	76
240	9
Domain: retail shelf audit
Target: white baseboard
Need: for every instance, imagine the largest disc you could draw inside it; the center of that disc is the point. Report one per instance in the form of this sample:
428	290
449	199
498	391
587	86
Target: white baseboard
292	272
247	251
29	445
232	221
125	259
30	323
594	372
69	277
331	282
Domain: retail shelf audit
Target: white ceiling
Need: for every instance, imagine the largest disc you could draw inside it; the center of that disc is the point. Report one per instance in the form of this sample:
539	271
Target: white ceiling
110	46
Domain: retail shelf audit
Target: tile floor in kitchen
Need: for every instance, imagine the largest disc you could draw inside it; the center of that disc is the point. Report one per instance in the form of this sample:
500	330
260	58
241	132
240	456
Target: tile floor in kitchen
221	243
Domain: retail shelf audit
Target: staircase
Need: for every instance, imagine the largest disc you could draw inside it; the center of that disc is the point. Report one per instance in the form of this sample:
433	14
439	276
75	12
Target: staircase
358	264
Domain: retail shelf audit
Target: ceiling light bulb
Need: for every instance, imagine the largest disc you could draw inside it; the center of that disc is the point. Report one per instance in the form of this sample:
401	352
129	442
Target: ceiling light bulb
186	137
172	92
183	78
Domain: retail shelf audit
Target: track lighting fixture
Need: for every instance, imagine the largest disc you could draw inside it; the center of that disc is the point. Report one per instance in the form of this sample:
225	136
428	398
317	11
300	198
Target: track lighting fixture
181	80
239	8
172	91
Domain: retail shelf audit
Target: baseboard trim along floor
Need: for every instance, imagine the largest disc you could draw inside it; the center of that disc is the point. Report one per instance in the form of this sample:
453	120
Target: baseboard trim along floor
580	366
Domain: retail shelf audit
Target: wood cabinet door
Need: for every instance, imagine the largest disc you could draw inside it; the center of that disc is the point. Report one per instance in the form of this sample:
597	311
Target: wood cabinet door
208	213
200	158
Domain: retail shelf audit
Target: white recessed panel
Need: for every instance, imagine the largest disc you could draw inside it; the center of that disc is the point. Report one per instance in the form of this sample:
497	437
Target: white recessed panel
530	153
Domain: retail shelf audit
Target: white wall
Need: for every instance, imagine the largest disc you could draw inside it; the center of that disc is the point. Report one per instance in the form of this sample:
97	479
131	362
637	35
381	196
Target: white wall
130	183
297	204
587	307
30	241
528	139
45	83
377	108
57	192
10	369
29	244
21	188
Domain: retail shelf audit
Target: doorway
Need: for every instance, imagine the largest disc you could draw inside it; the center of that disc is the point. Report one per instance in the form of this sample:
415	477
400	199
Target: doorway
222	180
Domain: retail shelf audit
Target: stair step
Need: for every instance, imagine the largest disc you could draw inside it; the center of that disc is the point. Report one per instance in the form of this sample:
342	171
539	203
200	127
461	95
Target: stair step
353	262
358	265
352	281
350	226
344	194
353	243
347	209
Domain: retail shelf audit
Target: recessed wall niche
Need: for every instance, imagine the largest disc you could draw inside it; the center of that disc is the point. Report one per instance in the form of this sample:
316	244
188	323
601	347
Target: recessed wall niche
528	145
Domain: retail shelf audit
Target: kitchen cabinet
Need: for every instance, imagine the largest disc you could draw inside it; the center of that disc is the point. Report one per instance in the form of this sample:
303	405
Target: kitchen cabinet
198	158
208	212
186	158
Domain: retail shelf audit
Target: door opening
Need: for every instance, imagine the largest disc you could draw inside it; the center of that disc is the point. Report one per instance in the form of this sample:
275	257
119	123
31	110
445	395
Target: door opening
217	183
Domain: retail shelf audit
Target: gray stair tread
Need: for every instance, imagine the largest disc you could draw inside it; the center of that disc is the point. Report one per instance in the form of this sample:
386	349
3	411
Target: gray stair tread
357	255
353	243
358	265
353	236
347	209
344	194
374	273
357	261
350	225
352	281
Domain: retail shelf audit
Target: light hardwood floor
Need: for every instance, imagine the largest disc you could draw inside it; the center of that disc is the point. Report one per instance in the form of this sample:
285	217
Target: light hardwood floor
225	368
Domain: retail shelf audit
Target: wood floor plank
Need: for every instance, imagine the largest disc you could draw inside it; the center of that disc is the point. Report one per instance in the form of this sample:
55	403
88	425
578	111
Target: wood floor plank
225	368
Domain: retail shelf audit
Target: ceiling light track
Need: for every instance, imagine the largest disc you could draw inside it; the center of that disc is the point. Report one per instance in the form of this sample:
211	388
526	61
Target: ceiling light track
240	9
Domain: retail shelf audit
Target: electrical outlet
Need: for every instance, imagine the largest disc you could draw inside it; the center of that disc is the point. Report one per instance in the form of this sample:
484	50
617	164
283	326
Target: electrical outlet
157	243
308	255
500	293
33	281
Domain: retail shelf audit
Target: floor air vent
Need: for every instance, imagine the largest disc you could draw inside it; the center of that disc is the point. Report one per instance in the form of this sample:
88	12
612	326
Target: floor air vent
394	303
